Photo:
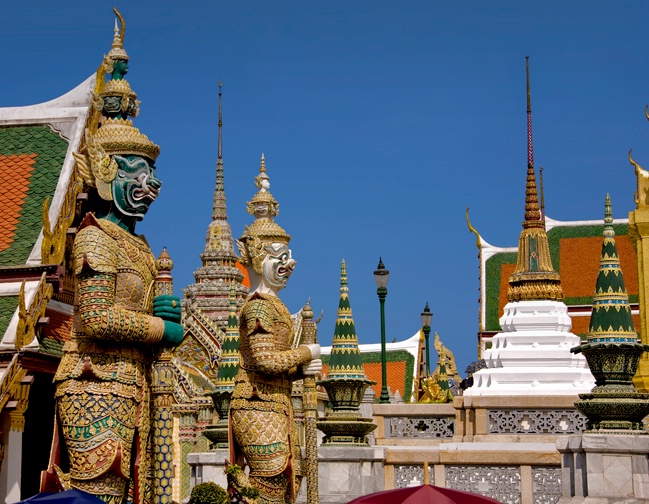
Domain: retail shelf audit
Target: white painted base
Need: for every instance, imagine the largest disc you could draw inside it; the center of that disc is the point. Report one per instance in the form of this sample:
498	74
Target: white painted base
532	354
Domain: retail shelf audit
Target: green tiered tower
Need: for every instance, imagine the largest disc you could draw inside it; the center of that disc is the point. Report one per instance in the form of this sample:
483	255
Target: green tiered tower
228	369
346	382
613	348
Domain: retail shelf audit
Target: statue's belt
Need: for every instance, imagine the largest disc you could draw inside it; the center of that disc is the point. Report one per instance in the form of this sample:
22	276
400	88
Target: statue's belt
264	379
83	345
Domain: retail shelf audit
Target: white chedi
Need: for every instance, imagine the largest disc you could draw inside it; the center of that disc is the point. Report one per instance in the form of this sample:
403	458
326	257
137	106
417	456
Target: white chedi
531	356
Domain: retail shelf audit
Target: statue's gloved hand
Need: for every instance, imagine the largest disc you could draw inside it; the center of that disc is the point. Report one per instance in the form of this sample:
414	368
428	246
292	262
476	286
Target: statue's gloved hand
314	348
312	368
173	334
167	308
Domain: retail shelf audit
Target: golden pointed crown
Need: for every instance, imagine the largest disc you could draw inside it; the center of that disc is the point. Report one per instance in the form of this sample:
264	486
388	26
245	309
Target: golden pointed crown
264	230
106	137
117	51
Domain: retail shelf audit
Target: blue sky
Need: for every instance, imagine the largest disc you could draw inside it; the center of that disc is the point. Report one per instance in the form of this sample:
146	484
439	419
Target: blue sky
381	122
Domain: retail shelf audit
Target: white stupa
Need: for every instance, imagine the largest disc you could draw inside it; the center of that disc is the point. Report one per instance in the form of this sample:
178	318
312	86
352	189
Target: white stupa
531	356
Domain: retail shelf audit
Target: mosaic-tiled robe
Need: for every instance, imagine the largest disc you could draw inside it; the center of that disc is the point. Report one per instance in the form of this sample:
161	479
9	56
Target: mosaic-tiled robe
102	383
261	414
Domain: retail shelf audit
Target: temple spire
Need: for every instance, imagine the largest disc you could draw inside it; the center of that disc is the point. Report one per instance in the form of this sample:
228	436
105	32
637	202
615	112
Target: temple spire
534	277
211	292
532	209
530	145
611	319
219	209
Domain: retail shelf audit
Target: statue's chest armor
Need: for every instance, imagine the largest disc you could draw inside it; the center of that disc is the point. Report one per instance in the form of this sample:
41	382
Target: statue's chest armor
136	271
282	325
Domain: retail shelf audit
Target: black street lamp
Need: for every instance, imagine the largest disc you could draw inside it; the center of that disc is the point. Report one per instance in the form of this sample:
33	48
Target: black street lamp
426	319
381	276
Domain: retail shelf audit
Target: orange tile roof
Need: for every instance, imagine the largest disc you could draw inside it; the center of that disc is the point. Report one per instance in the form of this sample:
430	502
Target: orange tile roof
396	376
15	171
59	326
579	264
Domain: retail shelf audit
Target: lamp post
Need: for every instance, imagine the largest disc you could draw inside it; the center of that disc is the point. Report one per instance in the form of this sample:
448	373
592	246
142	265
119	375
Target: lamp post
426	319
381	276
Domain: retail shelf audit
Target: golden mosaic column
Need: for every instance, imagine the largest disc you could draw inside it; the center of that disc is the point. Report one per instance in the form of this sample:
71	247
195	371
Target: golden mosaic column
639	235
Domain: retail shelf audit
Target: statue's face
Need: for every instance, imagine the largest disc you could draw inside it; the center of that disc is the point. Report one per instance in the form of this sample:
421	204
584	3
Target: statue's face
135	187
120	67
278	265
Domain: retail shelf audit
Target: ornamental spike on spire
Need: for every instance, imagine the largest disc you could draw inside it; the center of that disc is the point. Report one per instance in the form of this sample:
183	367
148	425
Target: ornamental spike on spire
219	211
611	319
532	210
219	272
534	277
530	144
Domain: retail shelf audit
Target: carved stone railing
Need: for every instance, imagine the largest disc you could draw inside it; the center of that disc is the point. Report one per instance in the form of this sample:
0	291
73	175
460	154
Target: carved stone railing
502	483
409	475
546	484
535	421
414	422
409	427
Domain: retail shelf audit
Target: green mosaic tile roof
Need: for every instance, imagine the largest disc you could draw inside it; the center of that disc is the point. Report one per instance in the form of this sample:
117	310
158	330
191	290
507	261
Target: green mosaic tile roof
22	194
50	346
8	305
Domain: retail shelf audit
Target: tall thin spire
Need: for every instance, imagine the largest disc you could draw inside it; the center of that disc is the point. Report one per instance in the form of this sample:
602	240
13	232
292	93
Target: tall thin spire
530	145
220	152
219	271
534	277
611	319
532	210
218	209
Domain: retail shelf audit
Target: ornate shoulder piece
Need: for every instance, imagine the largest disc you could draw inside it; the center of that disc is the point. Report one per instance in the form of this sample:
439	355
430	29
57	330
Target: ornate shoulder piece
257	314
89	220
94	251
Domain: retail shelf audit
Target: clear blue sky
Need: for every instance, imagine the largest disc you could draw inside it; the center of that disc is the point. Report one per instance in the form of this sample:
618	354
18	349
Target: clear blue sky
381	121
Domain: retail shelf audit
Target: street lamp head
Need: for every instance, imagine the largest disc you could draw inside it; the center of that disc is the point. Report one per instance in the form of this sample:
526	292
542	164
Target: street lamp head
426	316
381	275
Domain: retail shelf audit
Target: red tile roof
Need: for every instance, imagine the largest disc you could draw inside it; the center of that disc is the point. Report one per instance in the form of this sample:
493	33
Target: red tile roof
15	172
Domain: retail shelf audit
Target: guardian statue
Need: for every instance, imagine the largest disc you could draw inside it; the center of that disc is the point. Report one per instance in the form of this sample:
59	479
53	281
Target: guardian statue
261	414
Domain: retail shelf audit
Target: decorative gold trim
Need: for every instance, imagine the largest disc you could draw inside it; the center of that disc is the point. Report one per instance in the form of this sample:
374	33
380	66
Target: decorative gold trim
11	379
27	319
478	242
54	239
15	386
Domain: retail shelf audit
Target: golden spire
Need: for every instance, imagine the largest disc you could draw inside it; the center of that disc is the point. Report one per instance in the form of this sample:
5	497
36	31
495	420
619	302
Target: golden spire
534	277
117	51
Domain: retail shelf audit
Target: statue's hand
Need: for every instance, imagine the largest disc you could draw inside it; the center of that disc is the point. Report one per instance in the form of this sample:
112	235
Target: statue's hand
312	368
314	348
167	308
173	334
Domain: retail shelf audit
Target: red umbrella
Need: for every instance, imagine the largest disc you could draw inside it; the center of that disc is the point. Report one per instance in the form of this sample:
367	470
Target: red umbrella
425	494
